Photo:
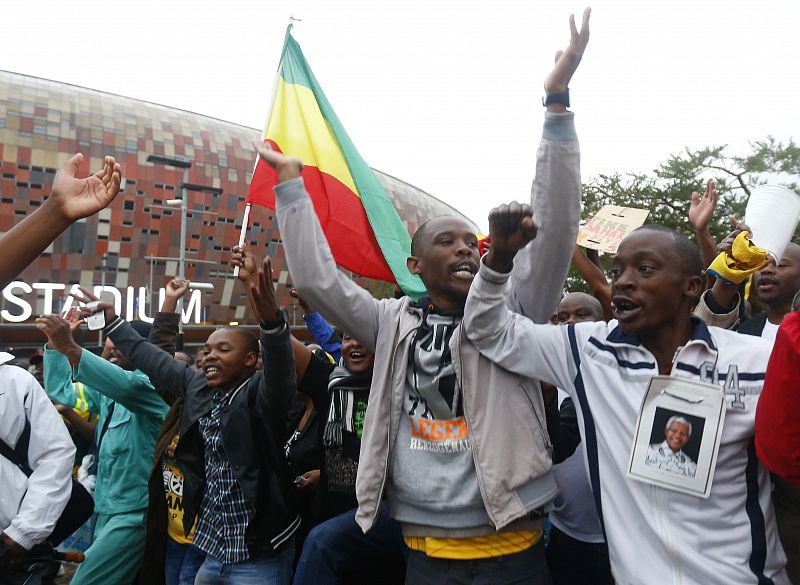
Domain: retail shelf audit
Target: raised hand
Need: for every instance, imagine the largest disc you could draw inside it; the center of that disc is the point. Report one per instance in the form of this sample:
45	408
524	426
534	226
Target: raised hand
175	290
303	305
86	297
59	335
74	319
288	167
262	294
701	211
70	199
511	227
726	245
78	198
567	60
245	262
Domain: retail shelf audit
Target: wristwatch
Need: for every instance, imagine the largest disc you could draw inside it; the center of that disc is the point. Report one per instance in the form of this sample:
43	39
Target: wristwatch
561	97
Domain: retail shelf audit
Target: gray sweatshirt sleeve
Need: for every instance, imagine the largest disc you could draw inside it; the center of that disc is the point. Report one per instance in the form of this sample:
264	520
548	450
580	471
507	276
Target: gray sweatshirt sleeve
313	269
540	269
513	341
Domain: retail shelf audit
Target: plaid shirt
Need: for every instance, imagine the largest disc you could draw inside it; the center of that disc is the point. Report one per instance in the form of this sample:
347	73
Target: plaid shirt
225	512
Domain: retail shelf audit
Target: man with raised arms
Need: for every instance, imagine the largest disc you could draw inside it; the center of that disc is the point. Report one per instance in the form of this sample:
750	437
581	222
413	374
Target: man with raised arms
466	461
655	535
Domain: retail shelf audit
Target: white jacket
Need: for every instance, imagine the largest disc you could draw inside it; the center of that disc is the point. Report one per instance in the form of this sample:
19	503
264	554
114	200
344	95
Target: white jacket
655	536
30	506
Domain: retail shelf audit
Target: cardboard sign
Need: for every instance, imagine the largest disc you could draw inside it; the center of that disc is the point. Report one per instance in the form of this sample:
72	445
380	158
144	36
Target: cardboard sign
609	226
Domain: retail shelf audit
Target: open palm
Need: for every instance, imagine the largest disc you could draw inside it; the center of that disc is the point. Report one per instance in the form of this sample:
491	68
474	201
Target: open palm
567	60
79	198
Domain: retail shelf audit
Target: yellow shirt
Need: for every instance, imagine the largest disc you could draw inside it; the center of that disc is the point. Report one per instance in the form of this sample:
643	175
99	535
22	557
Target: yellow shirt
479	547
173	488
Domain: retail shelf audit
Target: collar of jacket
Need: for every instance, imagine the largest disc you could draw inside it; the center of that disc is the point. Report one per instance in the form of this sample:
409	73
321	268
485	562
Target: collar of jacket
700	335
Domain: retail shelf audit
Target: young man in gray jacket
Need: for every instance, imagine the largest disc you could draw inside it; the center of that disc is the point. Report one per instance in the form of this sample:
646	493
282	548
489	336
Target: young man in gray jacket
467	456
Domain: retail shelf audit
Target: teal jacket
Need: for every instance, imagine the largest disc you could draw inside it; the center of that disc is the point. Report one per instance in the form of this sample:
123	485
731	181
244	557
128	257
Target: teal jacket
126	452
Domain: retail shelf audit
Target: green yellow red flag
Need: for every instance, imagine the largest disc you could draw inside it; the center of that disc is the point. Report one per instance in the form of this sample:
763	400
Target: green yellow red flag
364	231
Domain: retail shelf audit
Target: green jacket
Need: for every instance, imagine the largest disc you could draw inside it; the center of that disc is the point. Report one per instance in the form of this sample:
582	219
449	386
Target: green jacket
127	448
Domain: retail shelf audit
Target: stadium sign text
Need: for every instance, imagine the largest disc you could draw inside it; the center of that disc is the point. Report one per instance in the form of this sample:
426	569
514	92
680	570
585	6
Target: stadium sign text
18	293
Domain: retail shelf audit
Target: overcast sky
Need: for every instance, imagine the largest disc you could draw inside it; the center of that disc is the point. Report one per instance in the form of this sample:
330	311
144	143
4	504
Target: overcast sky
443	94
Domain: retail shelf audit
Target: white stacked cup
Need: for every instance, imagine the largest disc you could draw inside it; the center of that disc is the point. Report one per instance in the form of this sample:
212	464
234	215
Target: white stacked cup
772	214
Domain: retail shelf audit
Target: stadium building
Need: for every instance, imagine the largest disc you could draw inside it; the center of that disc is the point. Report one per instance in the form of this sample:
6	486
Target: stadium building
131	248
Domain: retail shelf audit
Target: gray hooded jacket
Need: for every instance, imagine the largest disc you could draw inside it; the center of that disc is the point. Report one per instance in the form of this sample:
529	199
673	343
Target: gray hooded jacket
504	412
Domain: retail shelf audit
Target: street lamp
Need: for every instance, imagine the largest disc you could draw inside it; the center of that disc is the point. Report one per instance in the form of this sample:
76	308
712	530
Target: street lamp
184	205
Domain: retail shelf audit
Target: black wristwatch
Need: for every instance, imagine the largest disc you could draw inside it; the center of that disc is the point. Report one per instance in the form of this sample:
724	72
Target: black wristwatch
561	97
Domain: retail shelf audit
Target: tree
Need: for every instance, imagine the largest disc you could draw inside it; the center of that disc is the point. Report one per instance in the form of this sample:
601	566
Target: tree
667	191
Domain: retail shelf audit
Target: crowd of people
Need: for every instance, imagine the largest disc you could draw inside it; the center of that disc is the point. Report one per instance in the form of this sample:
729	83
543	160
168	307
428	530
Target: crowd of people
488	432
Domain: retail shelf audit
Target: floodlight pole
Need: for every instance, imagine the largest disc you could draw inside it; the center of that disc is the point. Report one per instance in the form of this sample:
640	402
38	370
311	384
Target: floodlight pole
185	165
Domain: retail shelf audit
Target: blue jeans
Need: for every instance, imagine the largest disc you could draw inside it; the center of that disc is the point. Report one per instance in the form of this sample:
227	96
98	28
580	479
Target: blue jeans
337	551
273	569
181	563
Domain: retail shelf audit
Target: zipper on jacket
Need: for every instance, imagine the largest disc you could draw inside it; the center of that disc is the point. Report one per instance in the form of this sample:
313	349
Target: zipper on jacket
665	536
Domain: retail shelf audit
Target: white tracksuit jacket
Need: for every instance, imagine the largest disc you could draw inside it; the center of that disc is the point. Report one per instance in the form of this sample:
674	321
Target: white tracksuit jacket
31	506
656	536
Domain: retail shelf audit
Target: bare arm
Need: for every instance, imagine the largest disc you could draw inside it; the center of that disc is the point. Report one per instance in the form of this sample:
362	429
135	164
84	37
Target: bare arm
248	275
593	275
725	293
70	200
83	428
701	211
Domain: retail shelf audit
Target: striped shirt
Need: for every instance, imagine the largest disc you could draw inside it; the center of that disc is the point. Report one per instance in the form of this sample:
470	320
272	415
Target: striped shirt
225	511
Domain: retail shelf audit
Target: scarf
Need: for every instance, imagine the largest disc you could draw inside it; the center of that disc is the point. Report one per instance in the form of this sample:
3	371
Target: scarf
342	386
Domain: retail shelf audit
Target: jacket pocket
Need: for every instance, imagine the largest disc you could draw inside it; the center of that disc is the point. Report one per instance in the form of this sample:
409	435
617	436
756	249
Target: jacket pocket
118	437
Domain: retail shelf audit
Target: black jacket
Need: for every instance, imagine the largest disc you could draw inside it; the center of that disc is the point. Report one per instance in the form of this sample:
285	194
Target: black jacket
253	432
754	325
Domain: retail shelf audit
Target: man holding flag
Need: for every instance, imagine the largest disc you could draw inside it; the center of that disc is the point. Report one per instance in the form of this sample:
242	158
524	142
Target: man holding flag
466	459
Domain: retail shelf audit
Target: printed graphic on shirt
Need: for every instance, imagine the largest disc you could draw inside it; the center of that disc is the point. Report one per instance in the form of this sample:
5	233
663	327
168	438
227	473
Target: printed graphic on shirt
359	416
433	398
287	448
443	436
173	489
730	380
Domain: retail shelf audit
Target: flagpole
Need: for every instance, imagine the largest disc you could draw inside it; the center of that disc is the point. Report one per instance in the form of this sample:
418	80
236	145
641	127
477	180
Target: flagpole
246	216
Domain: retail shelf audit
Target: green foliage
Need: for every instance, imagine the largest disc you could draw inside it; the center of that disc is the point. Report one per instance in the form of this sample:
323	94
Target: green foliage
667	191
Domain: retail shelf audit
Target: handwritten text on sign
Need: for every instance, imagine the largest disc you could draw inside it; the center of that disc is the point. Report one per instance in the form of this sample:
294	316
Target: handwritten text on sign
609	226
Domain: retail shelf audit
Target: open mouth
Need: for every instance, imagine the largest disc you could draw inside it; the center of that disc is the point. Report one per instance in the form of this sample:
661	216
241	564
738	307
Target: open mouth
464	271
766	283
624	308
357	356
211	370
